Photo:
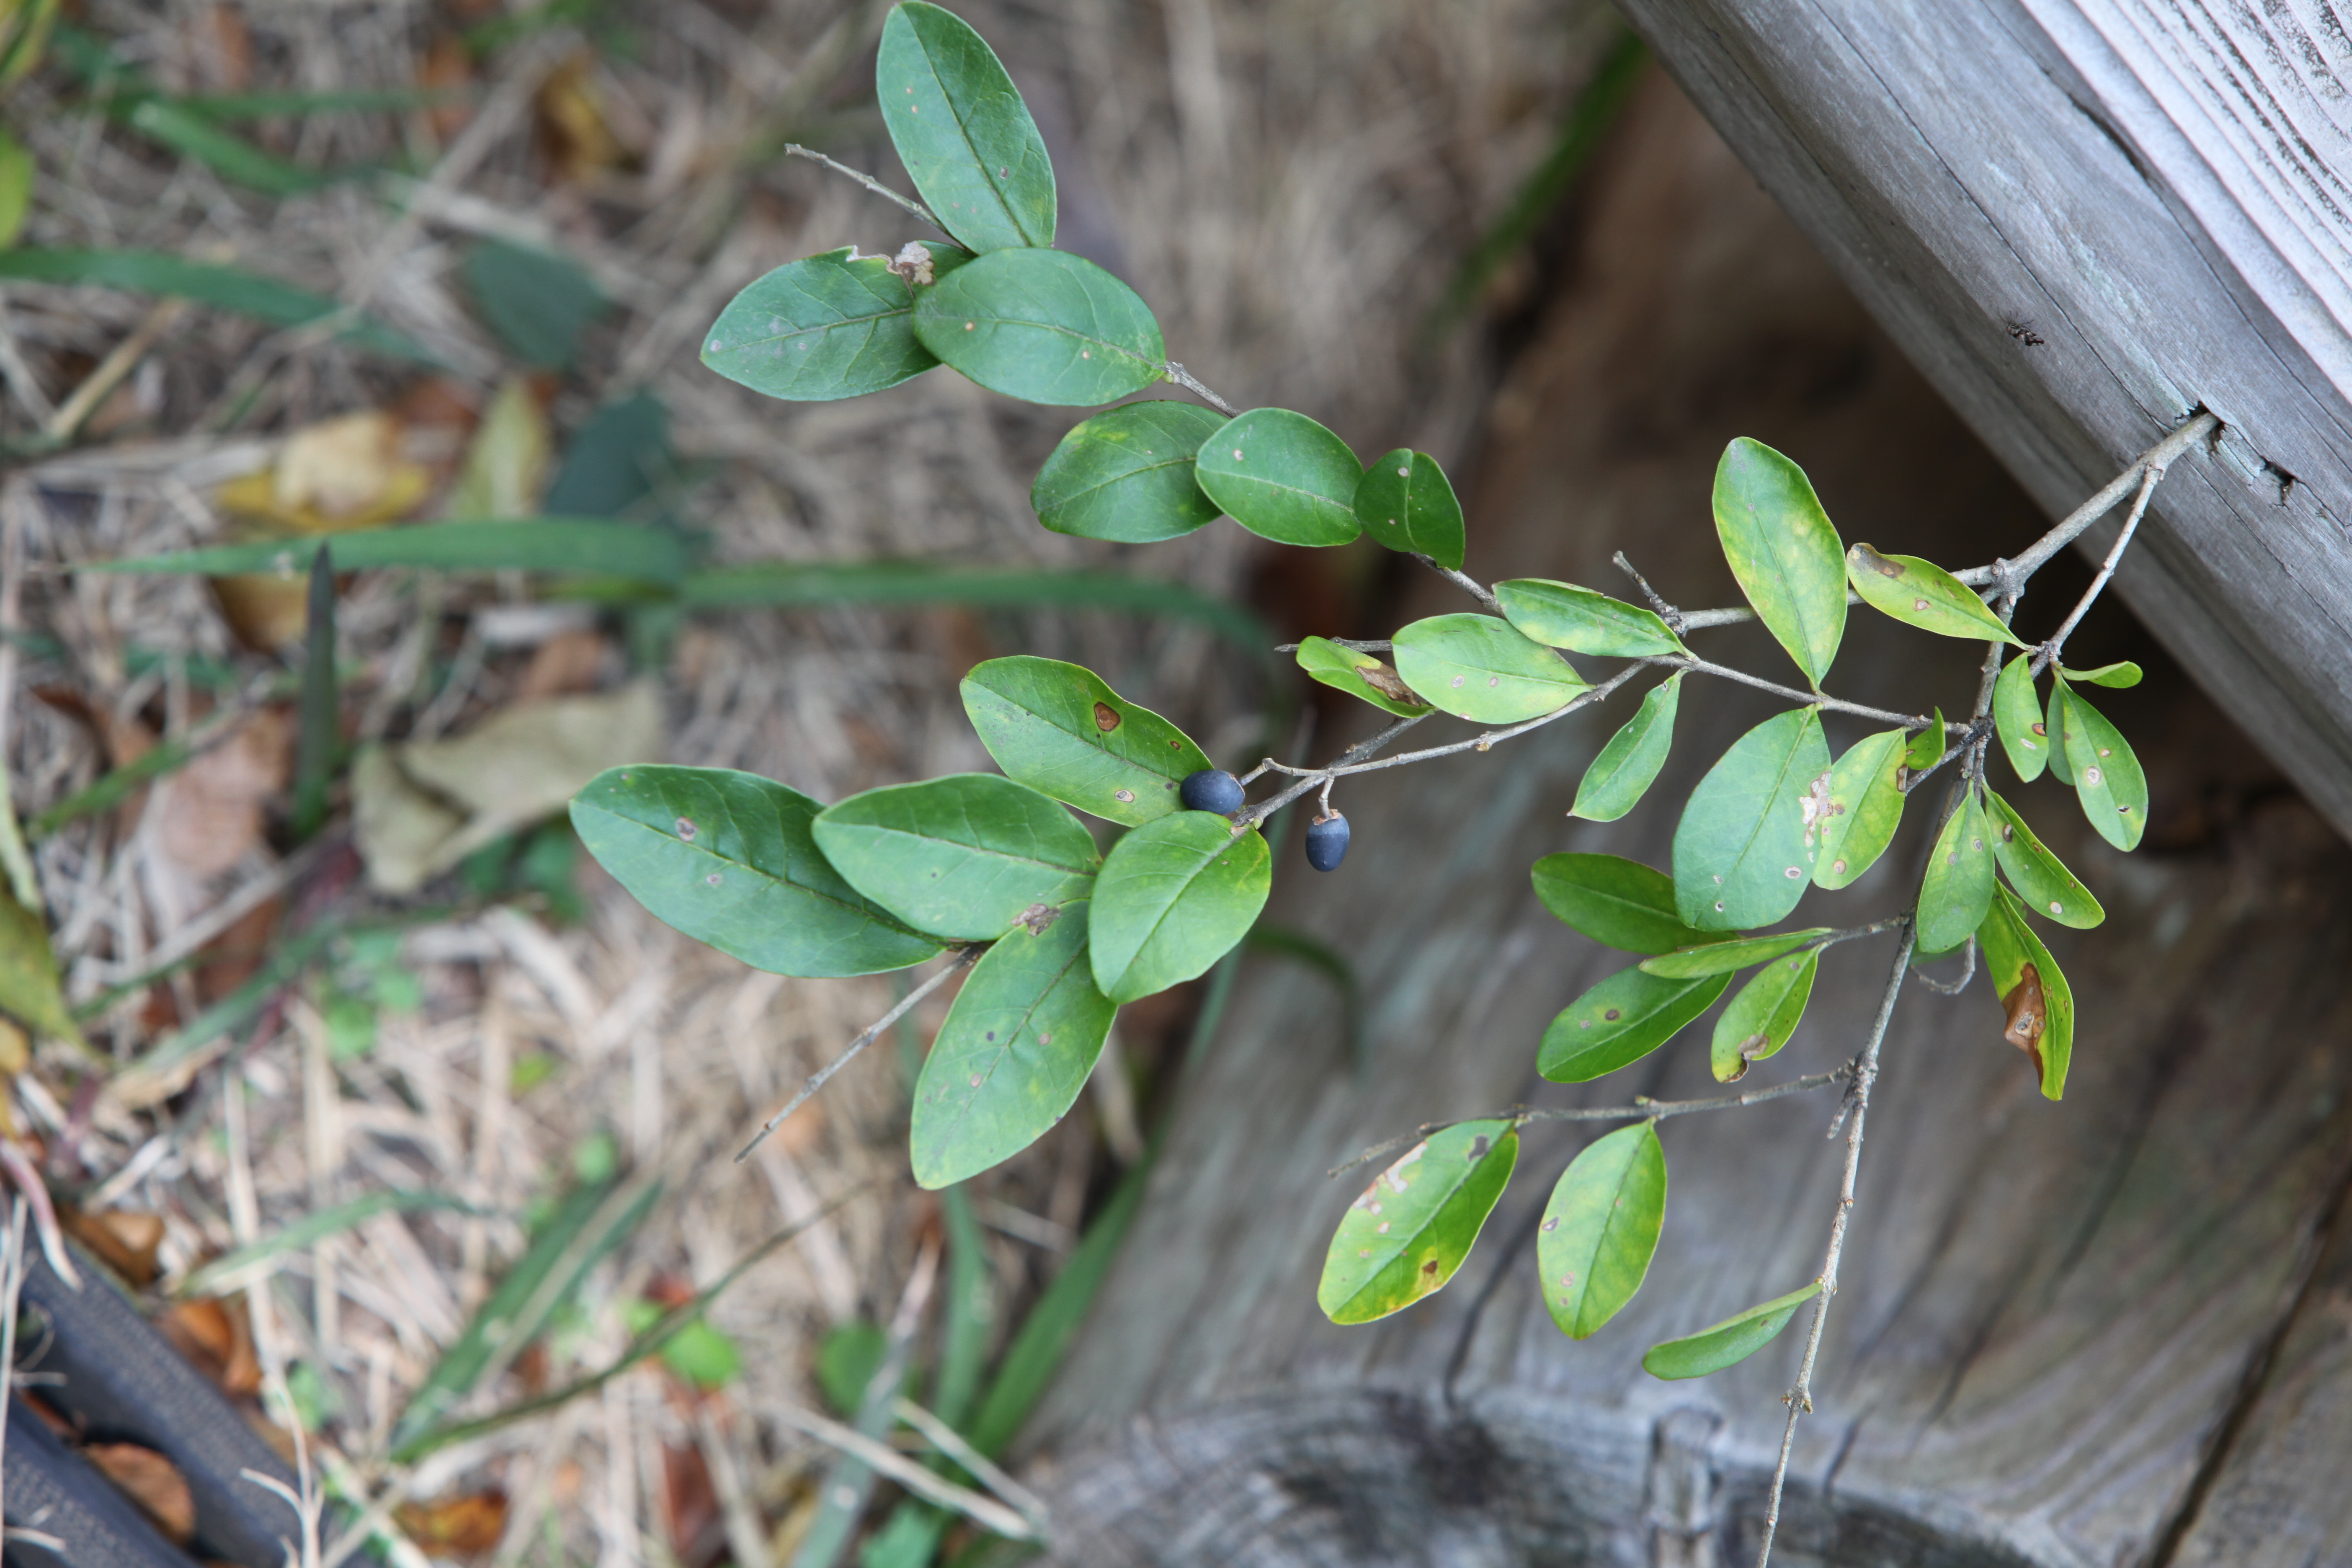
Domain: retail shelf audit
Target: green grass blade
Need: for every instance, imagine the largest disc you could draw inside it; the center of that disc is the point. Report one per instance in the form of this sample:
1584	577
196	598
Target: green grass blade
219	287
108	789
222	1272
788	584
588	544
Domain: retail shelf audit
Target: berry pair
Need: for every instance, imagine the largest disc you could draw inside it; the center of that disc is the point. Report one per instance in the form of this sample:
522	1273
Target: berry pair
1215	790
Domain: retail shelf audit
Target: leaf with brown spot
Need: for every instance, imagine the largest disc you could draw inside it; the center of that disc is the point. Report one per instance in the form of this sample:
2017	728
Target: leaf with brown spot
2037	1005
1407	1233
465	1525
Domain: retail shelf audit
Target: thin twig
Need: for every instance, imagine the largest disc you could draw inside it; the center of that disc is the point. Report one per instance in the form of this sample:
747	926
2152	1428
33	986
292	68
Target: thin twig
1312	778
1968	973
11	1290
2048	653
1643	1109
1370	645
1185	379
984	1511
2158	456
1811	698
1463	581
912	206
950	1442
1667	612
1801	1396
817	1080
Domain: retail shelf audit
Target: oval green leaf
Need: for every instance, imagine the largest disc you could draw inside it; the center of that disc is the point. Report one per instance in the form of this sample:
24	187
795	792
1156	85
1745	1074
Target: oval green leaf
1783	551
1732	1341
2037	1005
1958	883
1483	669
1173	897
1617	902
1042	325
2114	675
1600	1228
1014	1051
1758	1020
1744	850
2040	878
1923	595
1405	503
1057	728
963	856
1408	1232
1629	764
2106	776
1562	614
1282	477
2017	715
963	131
1360	675
1854	824
1925	747
828	326
729	859
1125	474
1619	1021
1729	957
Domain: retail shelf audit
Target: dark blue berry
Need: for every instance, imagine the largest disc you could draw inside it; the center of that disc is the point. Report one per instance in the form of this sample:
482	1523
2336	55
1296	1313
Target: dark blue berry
1210	789
1327	842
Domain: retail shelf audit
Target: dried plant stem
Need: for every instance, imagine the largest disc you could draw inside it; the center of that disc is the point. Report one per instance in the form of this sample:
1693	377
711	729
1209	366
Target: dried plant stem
1865	1073
908	204
1190	382
866	1038
2049	652
12	1286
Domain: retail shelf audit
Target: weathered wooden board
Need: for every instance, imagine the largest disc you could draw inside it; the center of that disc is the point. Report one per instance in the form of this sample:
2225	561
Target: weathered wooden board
2082	218
2052	1340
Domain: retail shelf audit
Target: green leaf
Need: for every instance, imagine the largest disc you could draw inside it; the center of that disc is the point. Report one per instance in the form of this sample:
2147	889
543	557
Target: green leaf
698	1355
219	287
1742	851
1617	902
1480	668
1921	593
1562	614
1720	957
1014	1051
835	325
1783	551
1732	1341
588	544
1282	477
2106	776
963	131
1127	474
1760	1019
1627	765
964	856
1353	672
1958	882
1042	325
2017	714
1925	747
1057	728
1858	818
16	172
846	1360
1600	1228
1173	897
614	462
1410	1229
30	989
2115	675
193	135
1405	503
729	858
2040	877
2036	1001
1621	1020
536	302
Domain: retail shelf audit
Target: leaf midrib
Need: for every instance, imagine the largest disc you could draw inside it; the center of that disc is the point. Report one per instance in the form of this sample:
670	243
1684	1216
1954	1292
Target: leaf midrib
1379	1266
1771	799
964	130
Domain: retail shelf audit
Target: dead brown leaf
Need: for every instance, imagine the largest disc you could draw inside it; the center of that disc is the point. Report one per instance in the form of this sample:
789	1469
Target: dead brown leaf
465	1525
213	1337
572	121
563	665
152	1482
125	1239
209	813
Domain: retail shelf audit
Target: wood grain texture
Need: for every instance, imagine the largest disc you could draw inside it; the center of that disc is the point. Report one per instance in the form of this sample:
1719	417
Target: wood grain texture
1985	172
2053	1315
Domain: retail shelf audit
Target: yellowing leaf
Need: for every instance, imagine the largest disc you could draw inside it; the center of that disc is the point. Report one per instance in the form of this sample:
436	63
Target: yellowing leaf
506	463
